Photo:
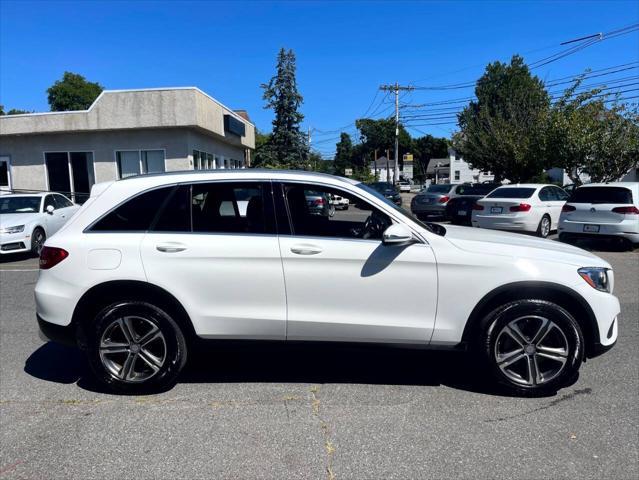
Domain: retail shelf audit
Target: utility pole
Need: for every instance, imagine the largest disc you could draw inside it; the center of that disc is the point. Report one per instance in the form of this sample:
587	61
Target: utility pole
396	88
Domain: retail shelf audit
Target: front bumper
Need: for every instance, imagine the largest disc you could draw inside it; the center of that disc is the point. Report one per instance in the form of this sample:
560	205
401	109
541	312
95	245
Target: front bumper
14	243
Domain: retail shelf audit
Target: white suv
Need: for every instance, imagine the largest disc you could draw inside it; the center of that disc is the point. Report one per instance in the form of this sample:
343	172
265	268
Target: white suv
602	210
152	263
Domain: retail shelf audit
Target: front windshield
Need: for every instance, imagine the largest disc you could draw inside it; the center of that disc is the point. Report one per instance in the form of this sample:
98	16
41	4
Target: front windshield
19	205
438	229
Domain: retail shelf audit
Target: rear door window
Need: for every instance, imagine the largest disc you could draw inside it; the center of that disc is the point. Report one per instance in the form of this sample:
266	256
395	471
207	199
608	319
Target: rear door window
231	207
546	195
617	195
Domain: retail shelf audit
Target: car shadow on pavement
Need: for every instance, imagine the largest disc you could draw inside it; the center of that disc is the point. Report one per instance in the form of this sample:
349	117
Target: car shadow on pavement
275	362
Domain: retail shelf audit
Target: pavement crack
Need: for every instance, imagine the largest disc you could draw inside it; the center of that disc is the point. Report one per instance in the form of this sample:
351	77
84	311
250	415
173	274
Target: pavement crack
553	403
325	429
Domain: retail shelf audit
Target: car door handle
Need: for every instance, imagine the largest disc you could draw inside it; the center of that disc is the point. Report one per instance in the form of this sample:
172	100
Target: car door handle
170	247
306	249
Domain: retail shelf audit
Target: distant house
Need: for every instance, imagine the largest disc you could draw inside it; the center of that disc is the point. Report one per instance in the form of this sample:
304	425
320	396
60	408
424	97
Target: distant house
453	169
559	175
383	169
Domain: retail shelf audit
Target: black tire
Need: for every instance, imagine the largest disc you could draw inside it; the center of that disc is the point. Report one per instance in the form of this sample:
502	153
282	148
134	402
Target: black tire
172	345
38	238
496	352
543	229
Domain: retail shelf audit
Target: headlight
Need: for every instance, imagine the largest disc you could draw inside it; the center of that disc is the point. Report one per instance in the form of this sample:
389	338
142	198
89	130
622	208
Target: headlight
596	277
14	229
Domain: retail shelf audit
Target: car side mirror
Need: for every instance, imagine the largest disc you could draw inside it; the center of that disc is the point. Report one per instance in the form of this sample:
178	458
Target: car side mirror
50	209
397	234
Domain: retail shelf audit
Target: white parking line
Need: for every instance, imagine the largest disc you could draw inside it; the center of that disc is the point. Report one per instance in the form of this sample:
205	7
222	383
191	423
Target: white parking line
19	270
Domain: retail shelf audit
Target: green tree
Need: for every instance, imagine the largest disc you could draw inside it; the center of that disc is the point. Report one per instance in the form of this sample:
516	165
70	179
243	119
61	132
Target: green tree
13	111
72	92
286	147
503	130
585	136
343	154
423	149
260	158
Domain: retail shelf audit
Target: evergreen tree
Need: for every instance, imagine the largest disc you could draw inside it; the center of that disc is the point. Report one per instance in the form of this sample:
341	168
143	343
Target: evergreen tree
286	147
343	153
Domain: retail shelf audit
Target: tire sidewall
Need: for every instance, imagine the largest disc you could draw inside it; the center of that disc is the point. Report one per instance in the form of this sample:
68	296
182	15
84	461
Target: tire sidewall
175	346
500	317
540	230
34	250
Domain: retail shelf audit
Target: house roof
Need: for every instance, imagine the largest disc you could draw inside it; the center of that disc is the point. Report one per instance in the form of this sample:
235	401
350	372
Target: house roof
441	163
383	163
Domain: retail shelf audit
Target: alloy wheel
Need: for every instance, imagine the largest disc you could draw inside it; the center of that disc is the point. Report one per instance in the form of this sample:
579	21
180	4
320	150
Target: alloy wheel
132	349
545	227
38	241
531	350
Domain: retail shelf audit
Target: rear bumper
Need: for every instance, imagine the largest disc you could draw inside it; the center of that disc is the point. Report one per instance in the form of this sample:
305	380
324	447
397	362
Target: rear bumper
65	335
514	223
628	229
435	209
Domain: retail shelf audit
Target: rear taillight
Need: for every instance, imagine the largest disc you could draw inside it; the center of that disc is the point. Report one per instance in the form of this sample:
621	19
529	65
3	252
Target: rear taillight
568	208
319	201
51	256
478	207
522	207
631	210
444	199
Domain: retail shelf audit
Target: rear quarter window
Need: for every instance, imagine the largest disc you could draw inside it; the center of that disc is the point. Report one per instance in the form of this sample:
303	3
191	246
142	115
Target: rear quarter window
618	195
135	214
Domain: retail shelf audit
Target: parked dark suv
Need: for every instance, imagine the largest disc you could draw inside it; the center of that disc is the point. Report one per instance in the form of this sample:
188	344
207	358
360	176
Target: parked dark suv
459	209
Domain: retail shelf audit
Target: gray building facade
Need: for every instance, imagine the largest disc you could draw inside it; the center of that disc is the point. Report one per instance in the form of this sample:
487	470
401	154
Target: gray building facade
123	133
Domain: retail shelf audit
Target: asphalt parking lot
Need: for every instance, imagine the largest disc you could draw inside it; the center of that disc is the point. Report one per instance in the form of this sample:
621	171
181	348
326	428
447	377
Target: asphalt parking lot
311	412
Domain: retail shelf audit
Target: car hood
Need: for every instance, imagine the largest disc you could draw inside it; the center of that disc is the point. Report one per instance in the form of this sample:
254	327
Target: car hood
11	219
494	242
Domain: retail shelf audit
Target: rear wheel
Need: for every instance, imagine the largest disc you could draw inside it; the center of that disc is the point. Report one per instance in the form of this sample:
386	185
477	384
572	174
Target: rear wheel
543	230
135	347
532	346
37	241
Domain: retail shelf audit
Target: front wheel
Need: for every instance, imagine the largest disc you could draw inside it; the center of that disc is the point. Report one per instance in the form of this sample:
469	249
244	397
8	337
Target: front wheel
37	241
135	347
532	346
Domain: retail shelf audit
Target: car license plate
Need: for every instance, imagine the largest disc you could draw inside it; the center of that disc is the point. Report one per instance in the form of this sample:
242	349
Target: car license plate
496	209
461	212
591	228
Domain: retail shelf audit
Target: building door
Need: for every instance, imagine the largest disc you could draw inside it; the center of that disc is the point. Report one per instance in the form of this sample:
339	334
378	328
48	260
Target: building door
70	174
5	175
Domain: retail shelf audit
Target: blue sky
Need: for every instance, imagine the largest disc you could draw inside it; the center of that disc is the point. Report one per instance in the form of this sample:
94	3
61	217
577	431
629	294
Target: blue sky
345	50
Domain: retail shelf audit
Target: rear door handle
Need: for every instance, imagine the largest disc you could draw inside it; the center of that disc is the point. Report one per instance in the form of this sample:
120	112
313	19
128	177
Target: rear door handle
170	247
306	249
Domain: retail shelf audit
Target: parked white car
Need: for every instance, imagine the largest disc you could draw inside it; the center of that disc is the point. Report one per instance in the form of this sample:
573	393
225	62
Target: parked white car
339	202
26	221
404	186
143	270
602	210
522	207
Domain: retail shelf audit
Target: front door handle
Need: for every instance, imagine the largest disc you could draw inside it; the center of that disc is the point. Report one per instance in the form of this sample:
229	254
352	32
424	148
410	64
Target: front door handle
170	247
306	249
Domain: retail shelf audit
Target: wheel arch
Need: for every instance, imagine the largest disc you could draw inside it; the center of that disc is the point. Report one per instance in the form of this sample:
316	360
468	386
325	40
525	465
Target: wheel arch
563	296
100	295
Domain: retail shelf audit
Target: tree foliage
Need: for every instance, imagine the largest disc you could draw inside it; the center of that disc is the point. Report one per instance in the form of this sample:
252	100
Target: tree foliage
13	111
503	130
286	146
72	92
423	149
583	136
343	154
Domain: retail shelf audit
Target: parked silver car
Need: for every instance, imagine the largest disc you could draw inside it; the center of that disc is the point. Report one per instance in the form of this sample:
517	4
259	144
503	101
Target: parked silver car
432	200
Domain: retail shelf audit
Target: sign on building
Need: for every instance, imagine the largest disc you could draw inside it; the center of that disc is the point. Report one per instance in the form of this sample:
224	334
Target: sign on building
348	172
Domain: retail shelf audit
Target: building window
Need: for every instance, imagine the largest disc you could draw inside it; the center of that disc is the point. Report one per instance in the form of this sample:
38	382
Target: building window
457	175
70	173
136	162
204	161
